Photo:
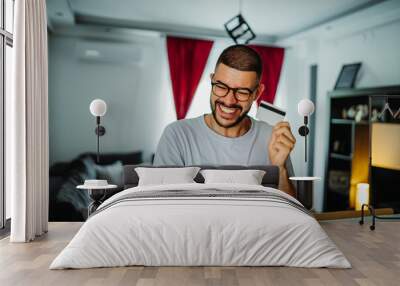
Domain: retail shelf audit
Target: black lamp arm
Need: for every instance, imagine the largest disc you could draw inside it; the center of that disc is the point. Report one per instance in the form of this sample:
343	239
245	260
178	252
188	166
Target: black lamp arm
303	131
100	131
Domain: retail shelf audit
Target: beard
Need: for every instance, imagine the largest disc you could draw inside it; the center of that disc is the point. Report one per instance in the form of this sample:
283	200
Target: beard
236	122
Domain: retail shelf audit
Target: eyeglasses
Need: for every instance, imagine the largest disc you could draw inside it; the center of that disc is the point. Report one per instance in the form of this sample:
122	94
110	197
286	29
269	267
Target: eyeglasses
241	94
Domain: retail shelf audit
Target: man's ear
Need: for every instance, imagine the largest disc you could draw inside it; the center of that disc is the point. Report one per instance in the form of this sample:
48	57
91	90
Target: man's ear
211	75
260	91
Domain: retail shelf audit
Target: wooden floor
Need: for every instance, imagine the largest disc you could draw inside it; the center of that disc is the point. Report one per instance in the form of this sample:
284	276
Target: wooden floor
375	256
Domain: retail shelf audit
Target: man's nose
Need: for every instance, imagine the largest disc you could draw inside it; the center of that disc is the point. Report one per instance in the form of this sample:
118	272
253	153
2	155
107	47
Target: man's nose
230	98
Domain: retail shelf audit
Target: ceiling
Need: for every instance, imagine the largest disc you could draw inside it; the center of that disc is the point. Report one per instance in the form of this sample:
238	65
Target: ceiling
271	19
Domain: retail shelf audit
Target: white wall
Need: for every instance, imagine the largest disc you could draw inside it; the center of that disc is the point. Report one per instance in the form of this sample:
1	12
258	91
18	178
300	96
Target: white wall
138	108
378	50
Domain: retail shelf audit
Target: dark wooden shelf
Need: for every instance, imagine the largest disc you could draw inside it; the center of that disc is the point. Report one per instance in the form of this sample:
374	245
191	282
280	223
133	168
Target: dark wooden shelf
341	156
365	92
348	121
386	122
340	193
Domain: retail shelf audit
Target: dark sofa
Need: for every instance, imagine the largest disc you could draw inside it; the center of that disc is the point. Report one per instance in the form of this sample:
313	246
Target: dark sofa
66	203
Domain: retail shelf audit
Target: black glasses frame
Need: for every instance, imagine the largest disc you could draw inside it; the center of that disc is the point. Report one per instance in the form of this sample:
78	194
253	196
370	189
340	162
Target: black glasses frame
233	89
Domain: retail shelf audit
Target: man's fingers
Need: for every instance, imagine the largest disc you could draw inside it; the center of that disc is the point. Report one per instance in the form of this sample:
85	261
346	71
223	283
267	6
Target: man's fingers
281	147
290	137
284	125
273	138
281	124
285	140
282	129
285	131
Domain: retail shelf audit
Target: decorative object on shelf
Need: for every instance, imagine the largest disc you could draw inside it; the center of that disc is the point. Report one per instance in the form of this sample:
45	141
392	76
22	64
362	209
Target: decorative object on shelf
351	112
383	112
391	112
339	181
344	113
336	146
98	108
238	28
347	76
362	195
374	115
361	112
97	191
305	108
304	190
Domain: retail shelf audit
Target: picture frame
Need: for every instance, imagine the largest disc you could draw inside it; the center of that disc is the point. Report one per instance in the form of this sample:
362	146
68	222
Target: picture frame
347	76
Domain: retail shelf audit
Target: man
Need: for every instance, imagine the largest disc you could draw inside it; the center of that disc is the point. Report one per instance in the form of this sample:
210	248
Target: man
228	136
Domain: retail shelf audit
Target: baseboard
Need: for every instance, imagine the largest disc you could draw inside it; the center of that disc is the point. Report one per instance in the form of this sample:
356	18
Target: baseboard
350	214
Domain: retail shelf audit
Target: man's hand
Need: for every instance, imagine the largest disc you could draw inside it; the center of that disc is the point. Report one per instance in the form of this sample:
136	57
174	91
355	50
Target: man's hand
279	147
281	144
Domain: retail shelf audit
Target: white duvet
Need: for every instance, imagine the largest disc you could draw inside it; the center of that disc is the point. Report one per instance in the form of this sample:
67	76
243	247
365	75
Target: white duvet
200	231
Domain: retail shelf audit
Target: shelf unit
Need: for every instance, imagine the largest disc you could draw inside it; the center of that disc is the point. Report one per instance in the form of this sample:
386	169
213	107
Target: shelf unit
349	152
348	121
342	157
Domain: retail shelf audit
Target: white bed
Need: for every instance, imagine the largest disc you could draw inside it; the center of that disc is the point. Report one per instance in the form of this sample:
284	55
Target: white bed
271	229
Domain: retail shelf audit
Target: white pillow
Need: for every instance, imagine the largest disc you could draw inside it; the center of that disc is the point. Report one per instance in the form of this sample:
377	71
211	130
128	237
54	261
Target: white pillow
248	177
165	176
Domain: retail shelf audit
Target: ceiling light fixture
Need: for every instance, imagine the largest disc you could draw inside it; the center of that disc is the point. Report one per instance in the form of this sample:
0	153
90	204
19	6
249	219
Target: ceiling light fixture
238	28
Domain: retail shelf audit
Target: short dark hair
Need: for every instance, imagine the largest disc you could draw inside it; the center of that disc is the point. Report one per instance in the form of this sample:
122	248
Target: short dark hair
241	57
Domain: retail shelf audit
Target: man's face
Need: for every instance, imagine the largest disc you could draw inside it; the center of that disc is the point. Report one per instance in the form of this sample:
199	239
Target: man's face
228	111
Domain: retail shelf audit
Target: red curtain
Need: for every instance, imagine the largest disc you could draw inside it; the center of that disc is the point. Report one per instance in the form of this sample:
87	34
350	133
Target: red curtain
272	58
187	59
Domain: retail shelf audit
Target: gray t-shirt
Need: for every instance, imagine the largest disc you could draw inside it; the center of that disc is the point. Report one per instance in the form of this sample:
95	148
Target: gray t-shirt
191	142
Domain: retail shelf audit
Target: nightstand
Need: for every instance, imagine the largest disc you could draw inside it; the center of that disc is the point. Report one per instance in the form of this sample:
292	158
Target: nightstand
97	193
304	190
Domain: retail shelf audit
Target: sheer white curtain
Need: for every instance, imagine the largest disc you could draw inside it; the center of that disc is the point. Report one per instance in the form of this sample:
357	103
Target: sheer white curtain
27	154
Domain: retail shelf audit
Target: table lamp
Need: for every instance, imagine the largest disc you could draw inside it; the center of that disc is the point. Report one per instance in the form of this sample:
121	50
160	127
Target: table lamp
97	189
304	185
98	108
305	108
362	195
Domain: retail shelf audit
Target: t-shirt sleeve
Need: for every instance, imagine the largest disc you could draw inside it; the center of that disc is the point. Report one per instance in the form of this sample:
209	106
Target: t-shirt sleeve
168	153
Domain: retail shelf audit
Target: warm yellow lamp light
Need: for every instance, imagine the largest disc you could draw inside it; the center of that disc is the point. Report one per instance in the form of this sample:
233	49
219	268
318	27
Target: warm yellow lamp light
362	195
385	144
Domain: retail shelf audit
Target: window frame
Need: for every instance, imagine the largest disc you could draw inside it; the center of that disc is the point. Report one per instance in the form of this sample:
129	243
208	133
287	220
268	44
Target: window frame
6	38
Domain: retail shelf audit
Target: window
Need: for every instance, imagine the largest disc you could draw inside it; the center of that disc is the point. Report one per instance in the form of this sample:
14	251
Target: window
9	15
6	44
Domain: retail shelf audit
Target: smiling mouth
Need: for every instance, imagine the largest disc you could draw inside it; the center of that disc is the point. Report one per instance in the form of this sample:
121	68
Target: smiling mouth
228	112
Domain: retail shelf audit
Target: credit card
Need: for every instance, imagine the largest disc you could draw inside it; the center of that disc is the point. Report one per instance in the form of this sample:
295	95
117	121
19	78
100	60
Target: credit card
269	113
